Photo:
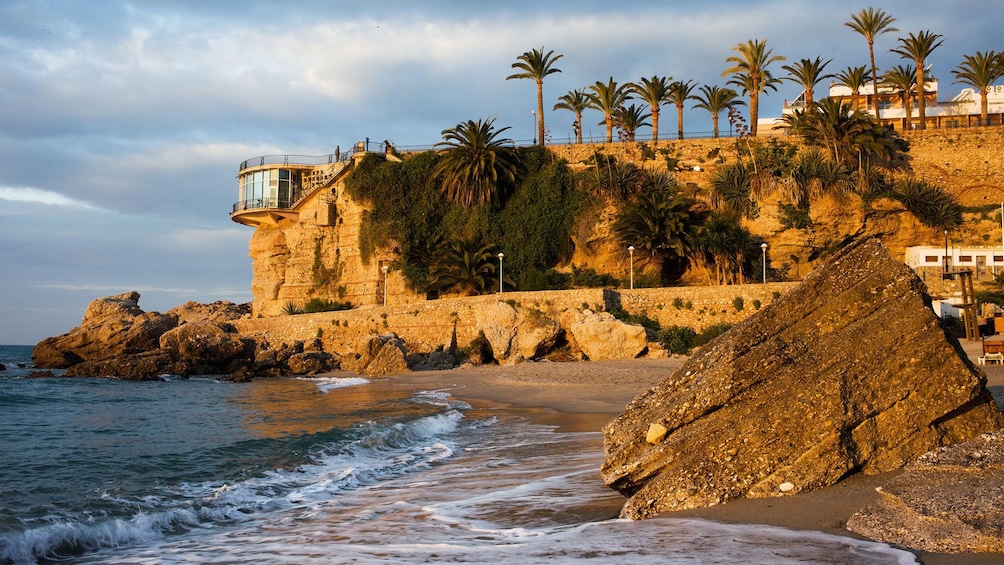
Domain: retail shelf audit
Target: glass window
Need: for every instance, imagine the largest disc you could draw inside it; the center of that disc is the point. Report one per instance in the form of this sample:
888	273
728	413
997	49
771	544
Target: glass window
965	258
931	259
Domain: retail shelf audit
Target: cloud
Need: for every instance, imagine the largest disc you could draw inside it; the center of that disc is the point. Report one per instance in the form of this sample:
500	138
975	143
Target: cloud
39	196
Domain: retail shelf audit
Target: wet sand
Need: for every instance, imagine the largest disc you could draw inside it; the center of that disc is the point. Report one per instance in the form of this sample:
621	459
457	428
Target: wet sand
585	396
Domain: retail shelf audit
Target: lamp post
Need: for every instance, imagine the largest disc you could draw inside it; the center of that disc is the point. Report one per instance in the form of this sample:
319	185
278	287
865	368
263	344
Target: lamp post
385	270
763	248
534	114
945	271
501	256
631	252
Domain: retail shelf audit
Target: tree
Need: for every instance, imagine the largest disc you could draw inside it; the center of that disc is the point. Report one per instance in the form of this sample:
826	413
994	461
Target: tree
903	80
871	23
918	48
807	73
575	101
980	71
474	162
679	93
749	72
731	190
536	65
721	245
716	100
468	267
851	137
654	92
628	119
607	98
657	222
854	78
931	205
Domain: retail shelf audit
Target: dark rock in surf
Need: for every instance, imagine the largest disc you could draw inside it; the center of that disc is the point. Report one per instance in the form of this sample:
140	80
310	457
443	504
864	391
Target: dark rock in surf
849	372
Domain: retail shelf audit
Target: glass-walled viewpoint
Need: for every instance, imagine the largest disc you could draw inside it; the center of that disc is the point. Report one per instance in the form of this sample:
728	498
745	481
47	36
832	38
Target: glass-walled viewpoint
269	188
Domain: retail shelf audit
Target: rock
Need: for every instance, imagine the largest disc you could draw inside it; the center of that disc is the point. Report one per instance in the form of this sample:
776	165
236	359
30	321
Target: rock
378	356
311	363
536	333
220	311
655	433
849	372
207	343
114	325
603	337
950	500
497	323
40	375
481	351
146	366
3	367
438	360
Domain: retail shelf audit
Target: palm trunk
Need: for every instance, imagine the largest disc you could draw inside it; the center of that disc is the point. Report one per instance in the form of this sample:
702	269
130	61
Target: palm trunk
922	103
983	106
578	129
540	112
875	101
655	123
754	109
714	122
610	128
679	121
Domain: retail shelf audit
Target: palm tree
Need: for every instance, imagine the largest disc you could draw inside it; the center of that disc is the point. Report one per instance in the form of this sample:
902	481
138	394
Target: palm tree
980	71
658	221
536	65
474	161
607	98
628	119
918	48
679	93
575	101
731	189
807	73
854	78
903	80
467	267
749	71
716	100
871	23
723	243
654	92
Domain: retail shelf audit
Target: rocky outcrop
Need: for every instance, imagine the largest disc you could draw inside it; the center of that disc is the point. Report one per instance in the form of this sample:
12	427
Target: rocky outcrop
219	311
849	372
950	500
378	356
602	337
517	333
114	325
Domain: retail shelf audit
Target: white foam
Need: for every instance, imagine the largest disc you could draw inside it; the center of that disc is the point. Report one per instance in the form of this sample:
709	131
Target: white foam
328	384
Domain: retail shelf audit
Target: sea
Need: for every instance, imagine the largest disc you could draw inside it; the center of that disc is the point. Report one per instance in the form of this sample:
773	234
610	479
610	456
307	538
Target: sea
327	470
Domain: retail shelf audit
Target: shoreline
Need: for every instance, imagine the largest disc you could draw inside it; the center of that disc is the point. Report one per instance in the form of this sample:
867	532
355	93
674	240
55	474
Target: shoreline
584	396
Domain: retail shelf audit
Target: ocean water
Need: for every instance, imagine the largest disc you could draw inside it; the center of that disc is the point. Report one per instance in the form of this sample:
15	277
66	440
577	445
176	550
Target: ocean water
326	471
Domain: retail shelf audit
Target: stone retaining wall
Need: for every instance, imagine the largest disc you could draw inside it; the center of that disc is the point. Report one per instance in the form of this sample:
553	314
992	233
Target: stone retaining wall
428	325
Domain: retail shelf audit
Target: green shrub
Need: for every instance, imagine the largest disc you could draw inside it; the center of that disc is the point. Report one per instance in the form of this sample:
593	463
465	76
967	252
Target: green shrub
677	339
711	332
678	303
756	304
738	303
291	309
322	305
640	319
589	278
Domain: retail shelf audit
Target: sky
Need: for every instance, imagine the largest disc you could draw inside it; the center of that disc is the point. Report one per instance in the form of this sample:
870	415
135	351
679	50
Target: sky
122	124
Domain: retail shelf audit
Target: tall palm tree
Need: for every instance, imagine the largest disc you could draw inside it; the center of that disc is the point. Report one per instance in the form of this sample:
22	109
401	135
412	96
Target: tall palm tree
854	78
657	222
629	118
537	65
749	71
468	267
807	73
980	71
903	80
871	23
716	100
473	162
918	48
607	98
575	101
654	92
679	93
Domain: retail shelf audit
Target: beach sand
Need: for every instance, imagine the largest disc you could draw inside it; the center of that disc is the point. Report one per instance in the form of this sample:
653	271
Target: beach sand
584	396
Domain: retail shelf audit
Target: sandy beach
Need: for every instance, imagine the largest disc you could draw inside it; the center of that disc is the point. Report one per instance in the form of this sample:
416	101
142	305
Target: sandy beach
585	396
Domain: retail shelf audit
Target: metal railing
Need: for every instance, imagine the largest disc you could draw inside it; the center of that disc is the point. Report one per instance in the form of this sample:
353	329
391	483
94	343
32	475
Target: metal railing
263	203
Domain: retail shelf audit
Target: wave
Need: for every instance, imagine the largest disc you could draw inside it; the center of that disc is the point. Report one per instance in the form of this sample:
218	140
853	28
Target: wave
328	384
366	456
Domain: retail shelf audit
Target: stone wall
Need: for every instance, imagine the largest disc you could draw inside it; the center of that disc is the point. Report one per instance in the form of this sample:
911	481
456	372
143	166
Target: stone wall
428	325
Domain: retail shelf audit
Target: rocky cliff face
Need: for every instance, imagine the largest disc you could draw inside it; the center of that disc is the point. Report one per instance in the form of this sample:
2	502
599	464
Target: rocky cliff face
850	372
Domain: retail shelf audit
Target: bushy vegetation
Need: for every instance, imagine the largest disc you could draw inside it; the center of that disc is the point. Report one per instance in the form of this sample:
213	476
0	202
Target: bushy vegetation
322	305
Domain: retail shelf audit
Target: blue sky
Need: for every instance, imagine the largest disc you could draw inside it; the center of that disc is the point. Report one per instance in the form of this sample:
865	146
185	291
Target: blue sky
122	124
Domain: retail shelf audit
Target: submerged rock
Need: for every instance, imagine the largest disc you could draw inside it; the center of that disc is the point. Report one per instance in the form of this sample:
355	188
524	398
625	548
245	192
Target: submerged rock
849	372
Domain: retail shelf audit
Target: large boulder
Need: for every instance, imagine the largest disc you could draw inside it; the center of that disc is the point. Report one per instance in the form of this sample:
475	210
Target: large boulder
114	325
950	500
601	337
517	333
144	366
378	356
207	343
851	371
219	311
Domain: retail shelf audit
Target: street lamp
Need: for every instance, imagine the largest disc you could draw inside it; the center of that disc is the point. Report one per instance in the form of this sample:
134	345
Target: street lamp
631	252
763	247
945	269
501	255
385	268
534	113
